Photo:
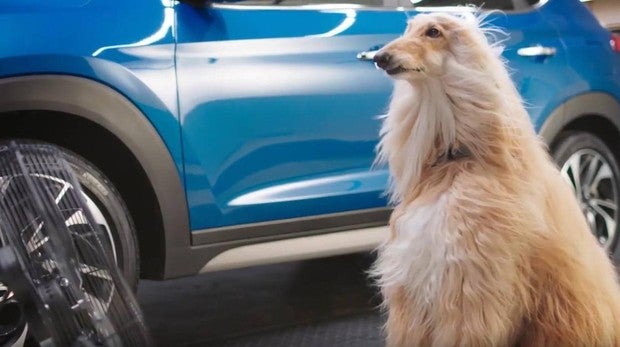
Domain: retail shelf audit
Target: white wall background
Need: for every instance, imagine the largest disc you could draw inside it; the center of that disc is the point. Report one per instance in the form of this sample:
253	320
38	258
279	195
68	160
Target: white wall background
607	11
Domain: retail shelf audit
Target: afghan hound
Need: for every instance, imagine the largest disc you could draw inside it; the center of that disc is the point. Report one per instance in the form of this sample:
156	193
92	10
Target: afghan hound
488	245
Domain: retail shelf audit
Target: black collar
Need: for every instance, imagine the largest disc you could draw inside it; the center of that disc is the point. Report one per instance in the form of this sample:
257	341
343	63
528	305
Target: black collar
453	154
457	153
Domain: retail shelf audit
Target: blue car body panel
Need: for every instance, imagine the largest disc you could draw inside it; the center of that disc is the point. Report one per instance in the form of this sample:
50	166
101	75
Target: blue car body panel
282	123
591	65
267	112
132	53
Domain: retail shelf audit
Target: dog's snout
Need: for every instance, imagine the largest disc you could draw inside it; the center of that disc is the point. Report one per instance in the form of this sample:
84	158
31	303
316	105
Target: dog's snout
382	59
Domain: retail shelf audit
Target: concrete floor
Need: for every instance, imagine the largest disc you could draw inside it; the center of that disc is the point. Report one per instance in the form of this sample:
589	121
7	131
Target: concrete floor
325	302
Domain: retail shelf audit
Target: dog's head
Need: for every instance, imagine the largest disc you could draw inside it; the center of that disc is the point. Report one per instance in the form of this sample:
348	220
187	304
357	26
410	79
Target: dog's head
431	43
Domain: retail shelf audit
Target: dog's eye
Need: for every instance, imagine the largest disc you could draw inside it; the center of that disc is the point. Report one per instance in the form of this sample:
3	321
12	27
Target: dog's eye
433	32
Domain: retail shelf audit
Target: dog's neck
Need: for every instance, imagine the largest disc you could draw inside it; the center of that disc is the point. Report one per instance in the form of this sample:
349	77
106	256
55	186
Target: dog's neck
432	117
452	154
419	128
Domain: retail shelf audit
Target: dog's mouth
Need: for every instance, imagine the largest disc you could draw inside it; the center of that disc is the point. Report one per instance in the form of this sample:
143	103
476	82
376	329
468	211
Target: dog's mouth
401	69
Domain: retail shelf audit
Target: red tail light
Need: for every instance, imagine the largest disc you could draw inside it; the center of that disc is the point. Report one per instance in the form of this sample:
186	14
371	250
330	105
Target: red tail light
615	42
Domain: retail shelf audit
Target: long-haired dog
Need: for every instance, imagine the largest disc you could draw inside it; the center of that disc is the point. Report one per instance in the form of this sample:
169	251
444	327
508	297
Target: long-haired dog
488	246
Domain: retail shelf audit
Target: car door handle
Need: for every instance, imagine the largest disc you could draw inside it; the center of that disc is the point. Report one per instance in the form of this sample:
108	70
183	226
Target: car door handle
536	51
366	55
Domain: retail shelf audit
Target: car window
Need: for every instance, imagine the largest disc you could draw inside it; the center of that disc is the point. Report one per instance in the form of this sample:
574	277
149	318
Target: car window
505	5
486	4
373	3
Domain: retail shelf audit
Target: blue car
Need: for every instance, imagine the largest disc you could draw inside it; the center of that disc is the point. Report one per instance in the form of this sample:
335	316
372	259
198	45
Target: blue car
214	135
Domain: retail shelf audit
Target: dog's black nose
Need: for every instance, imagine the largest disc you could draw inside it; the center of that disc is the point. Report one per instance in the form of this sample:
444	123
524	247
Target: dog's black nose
382	60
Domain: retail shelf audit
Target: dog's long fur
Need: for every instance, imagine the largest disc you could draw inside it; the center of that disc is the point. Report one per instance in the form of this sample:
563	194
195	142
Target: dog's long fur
490	249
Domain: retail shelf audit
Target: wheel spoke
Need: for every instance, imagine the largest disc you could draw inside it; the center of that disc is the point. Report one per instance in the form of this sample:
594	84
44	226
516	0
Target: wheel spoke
5	293
95	271
96	302
609	204
604	172
77	218
31	247
63	191
49	265
592	171
101	221
610	222
35	241
591	219
571	171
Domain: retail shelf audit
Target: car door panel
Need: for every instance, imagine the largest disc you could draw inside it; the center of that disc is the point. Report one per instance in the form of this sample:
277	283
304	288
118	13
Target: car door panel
279	117
540	79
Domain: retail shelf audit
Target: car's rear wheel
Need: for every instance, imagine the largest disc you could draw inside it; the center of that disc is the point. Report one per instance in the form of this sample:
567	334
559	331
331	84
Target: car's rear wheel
591	169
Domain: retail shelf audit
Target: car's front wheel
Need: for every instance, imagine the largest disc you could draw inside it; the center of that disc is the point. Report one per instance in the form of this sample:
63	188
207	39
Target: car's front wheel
108	209
591	168
110	212
60	243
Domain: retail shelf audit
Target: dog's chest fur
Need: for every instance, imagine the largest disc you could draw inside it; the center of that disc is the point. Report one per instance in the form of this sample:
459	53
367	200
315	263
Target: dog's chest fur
420	252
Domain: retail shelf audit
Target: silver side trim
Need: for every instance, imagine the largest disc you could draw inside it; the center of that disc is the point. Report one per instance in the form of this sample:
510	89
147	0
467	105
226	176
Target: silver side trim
331	222
301	248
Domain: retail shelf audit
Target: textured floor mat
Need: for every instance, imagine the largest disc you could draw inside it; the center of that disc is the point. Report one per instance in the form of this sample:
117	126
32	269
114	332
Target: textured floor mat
323	302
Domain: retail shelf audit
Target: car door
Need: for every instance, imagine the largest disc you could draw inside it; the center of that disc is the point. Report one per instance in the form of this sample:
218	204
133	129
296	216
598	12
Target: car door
526	33
279	114
536	57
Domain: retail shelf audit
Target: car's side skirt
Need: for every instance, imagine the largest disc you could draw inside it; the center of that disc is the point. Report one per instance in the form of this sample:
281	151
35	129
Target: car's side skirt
260	243
300	248
289	227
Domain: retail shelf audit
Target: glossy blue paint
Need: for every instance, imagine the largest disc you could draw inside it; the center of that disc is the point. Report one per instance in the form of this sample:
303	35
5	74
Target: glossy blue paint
280	120
266	111
581	35
591	65
126	45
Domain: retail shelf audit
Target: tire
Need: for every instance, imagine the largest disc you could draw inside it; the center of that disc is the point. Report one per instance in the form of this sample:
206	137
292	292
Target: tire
57	247
100	190
597	190
109	202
